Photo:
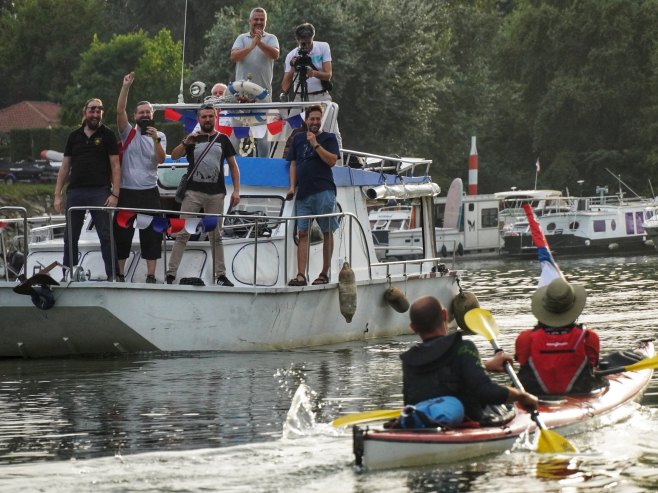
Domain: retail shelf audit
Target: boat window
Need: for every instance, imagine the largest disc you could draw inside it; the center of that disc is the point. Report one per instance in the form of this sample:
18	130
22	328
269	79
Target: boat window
396	224
630	224
489	218
271	205
574	226
550	227
638	222
599	225
439	212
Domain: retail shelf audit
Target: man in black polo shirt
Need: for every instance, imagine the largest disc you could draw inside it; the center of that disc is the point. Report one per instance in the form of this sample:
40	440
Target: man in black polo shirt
91	166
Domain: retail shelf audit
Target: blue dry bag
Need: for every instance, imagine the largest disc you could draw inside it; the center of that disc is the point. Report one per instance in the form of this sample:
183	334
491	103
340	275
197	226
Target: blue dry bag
441	411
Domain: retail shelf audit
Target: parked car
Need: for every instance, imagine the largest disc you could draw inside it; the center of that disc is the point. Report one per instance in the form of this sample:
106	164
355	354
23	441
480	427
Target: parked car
31	170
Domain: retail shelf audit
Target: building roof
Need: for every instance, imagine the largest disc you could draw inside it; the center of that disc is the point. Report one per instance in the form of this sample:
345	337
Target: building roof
29	114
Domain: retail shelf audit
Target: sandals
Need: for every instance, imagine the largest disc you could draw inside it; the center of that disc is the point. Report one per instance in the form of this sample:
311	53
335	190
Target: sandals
298	280
322	279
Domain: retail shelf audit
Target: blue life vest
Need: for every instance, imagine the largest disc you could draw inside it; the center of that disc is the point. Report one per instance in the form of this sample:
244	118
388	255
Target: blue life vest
445	411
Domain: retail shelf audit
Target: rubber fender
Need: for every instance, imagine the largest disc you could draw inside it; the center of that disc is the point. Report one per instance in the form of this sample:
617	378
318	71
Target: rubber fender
396	300
461	304
347	292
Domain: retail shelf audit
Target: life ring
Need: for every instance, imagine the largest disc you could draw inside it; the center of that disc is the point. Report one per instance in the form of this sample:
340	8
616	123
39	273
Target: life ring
248	89
247	147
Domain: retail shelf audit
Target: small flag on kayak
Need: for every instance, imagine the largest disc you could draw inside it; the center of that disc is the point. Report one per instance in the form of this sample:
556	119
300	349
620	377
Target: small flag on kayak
538	165
549	269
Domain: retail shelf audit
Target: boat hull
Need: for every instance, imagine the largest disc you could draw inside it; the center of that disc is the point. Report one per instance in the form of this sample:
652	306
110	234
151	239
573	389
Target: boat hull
382	449
101	317
569	244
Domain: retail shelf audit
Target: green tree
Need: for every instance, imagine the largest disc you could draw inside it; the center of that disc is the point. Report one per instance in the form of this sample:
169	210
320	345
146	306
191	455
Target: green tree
126	16
40	42
155	61
584	72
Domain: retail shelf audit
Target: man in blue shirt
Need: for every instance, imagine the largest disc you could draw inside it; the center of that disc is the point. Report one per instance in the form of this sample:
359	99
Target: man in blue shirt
312	155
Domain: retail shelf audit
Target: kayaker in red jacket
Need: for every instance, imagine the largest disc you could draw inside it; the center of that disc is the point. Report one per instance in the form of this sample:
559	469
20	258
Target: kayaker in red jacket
447	365
558	356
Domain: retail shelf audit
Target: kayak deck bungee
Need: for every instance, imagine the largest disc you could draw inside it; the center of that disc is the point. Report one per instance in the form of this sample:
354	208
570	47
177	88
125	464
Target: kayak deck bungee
377	448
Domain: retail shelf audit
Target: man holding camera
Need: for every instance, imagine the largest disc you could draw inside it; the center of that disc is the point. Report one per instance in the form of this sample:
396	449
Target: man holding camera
206	152
254	52
143	149
308	67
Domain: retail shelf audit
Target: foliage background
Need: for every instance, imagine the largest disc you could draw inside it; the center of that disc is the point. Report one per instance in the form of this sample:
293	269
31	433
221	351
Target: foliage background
571	82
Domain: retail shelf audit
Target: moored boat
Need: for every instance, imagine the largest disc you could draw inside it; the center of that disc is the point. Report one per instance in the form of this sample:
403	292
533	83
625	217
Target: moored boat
81	313
380	448
599	225
466	226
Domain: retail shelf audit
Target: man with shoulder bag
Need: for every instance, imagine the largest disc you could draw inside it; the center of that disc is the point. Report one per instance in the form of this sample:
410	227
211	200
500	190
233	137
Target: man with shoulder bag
206	152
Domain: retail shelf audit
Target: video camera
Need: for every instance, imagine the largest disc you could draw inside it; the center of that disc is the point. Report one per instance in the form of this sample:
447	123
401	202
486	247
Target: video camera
144	123
303	60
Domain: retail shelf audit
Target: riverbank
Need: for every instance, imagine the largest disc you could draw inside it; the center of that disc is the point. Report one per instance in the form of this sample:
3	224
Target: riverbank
37	198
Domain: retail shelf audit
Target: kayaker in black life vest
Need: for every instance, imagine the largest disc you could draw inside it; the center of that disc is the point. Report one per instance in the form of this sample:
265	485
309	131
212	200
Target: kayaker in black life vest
558	356
447	365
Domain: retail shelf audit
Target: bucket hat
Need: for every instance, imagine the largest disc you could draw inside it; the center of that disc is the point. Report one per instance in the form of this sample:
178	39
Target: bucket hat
559	303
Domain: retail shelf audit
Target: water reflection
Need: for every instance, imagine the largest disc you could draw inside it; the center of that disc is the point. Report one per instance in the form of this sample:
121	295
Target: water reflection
88	408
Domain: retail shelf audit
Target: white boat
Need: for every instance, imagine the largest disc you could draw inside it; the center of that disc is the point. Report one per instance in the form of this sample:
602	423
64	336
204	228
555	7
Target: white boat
597	225
91	316
468	226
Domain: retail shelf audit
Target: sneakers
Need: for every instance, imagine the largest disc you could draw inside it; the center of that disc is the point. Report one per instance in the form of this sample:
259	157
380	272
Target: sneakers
223	281
150	279
170	279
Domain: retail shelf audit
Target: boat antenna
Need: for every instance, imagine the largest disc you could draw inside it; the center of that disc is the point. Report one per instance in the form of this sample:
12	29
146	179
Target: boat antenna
622	183
651	187
181	100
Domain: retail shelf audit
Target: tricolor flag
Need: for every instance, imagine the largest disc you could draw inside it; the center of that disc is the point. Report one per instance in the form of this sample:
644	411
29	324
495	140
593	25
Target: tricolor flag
186	117
549	269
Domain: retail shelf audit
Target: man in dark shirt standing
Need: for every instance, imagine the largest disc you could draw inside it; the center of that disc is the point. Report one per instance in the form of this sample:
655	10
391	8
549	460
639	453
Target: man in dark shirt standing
446	365
206	151
91	167
312	155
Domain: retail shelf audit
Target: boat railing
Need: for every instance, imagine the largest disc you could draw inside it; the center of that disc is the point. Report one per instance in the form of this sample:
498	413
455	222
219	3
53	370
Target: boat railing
254	223
386	164
23	219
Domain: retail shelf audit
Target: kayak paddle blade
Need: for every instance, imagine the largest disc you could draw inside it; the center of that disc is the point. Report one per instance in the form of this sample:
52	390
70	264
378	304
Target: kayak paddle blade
365	417
482	322
551	442
643	364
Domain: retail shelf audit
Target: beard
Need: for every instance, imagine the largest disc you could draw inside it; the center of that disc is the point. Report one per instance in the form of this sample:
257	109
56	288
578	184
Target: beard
93	123
314	128
208	127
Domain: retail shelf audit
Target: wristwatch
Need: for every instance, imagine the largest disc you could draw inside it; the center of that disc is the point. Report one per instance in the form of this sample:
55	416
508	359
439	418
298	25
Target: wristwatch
316	146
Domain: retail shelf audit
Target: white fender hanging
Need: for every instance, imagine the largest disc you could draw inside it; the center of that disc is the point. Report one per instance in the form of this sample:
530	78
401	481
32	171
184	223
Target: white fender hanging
246	88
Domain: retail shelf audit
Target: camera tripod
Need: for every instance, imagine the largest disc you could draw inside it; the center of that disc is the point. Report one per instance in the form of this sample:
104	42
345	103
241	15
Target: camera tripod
301	87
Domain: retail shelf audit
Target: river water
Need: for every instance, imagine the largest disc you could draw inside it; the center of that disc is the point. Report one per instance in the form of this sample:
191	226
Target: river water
259	422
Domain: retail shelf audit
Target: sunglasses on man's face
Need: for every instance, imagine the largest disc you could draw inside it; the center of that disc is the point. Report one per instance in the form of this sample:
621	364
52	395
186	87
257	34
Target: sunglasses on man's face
95	108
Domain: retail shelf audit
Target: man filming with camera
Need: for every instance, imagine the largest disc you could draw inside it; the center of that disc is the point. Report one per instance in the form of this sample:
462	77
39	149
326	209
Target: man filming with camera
308	67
